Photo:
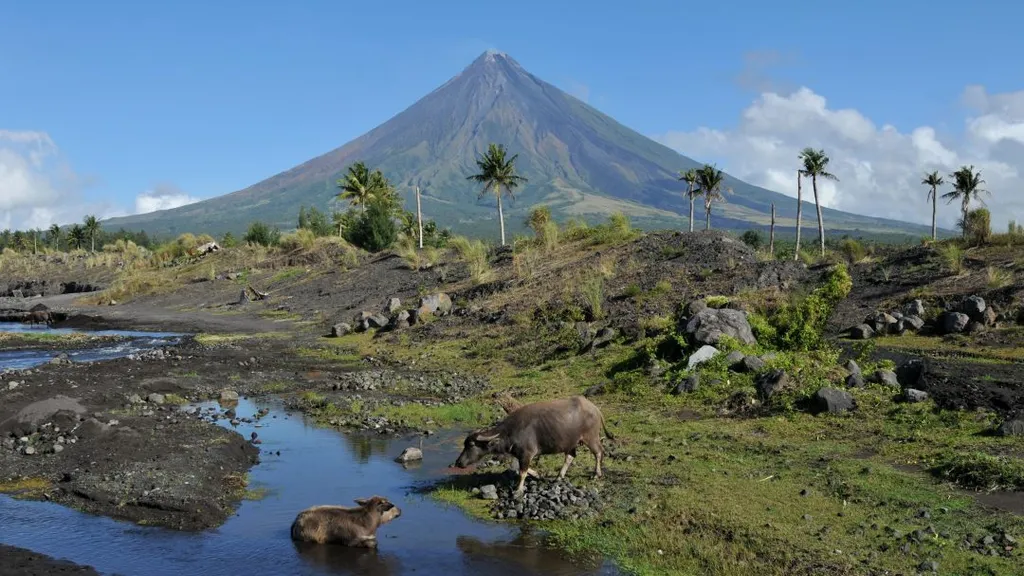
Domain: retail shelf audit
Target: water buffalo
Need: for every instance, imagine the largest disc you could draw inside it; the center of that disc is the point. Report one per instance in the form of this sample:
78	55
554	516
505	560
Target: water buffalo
548	427
342	525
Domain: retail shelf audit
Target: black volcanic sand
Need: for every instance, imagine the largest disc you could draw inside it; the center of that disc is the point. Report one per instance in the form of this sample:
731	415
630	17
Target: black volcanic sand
21	562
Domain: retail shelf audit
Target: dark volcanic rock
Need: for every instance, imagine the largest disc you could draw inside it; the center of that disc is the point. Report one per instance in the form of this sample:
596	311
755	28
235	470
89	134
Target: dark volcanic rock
954	322
546	500
771	383
861	332
709	325
832	401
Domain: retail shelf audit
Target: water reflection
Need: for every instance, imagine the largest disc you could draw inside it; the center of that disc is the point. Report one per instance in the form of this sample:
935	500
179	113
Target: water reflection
528	552
344	560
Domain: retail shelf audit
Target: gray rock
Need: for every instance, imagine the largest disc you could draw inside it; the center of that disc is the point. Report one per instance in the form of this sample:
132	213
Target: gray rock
882	323
689	384
12	385
861	332
377	321
832	401
734	358
855	380
1011	428
410	454
29	450
852	367
91	428
340	329
228	396
709	325
914	323
135	399
974	307
914	396
954	322
751	364
989	317
392	305
489	492
911	374
771	383
914	308
886	377
155	398
703	354
401	320
696	307
928	566
58	448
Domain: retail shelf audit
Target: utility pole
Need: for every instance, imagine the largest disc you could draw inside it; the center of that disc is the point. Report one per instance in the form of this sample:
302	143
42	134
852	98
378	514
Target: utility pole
419	216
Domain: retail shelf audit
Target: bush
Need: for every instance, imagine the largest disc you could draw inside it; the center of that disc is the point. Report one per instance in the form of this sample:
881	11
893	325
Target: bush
228	240
262	234
978	226
314	221
952	257
799	326
753	238
474	254
301	239
375	230
853	250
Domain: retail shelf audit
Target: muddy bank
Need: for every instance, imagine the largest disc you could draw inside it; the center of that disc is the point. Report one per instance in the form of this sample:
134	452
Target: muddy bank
21	562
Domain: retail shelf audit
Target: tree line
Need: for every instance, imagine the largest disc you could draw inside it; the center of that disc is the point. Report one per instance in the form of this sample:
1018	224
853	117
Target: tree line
84	236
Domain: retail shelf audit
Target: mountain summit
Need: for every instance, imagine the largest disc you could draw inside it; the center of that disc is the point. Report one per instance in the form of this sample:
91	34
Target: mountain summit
579	162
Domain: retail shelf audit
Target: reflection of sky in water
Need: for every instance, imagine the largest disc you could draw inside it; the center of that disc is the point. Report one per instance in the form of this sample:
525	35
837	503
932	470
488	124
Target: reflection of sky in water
316	466
21	359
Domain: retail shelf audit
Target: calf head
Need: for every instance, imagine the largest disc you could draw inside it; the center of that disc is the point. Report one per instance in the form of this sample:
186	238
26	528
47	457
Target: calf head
382	506
477	445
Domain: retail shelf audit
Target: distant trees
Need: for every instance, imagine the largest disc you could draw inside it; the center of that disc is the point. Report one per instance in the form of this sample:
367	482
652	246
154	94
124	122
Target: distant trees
933	181
966	187
53	236
498	175
91	228
77	235
709	184
690	177
815	165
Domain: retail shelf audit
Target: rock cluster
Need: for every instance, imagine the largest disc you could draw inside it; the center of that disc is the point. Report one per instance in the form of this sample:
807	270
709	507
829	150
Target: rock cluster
910	318
393	317
542	500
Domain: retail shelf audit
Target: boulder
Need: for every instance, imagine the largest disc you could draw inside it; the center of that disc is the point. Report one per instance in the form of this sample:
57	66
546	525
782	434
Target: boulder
377	321
709	325
882	323
340	329
400	320
733	358
861	332
771	383
155	398
914	323
91	428
832	401
973	327
1011	428
886	377
489	492
852	367
989	317
954	322
974	307
703	354
392	305
751	364
228	396
911	374
855	380
602	338
689	384
913	395
696	307
438	303
411	454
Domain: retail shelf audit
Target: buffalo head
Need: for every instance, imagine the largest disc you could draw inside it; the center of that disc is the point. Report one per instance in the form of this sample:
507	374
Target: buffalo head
476	446
382	506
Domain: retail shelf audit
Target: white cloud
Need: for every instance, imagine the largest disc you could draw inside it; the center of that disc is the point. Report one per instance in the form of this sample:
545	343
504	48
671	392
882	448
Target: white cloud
38	188
162	197
879	167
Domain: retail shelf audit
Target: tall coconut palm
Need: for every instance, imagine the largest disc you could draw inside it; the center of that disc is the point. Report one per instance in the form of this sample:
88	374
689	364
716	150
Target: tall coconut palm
799	212
361	186
498	174
815	165
54	236
966	187
933	181
690	177
92	228
709	184
76	236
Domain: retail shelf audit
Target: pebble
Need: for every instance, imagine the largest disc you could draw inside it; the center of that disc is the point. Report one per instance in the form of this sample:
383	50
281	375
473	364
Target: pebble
545	500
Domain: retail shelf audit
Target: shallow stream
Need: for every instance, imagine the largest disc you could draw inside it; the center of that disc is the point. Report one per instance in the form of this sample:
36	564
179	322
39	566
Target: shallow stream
133	343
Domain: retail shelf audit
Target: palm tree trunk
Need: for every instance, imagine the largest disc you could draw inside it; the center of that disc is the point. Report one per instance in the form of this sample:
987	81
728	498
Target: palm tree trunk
93	238
501	218
934	202
799	213
821	223
419	216
771	237
963	210
690	194
707	218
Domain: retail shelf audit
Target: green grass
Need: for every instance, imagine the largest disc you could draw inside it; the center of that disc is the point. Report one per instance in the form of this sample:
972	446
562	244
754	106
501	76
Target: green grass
953	346
217	339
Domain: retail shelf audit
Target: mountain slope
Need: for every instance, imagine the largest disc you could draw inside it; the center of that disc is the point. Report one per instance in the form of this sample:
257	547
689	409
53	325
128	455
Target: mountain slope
579	161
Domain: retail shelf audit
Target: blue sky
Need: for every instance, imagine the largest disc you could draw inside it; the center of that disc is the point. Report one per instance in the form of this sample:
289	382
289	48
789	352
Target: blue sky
208	97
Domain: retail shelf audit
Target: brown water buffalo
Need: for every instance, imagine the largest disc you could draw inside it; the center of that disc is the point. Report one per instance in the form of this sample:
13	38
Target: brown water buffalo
548	427
342	525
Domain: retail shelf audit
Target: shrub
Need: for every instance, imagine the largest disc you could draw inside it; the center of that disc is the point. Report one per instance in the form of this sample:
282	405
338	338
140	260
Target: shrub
262	234
301	239
228	240
592	291
753	238
853	250
952	256
474	254
799	325
998	278
375	230
978	226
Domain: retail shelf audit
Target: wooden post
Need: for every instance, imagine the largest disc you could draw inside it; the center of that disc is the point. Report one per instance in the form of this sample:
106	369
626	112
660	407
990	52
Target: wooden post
419	216
771	237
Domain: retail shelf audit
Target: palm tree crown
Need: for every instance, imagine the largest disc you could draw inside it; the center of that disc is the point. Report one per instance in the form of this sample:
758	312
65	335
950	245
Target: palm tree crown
709	184
815	165
498	175
92	228
361	186
966	187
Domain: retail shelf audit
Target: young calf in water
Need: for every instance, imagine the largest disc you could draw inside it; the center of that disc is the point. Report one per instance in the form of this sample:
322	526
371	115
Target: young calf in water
343	525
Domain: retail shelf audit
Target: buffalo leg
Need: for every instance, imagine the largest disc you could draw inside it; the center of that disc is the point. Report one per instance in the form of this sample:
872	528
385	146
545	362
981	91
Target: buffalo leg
593	442
569	456
524	470
532	472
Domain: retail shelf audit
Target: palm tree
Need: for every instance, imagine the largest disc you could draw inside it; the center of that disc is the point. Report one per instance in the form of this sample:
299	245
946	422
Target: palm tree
933	180
76	235
966	187
497	174
360	186
54	236
816	166
709	183
690	177
92	228
799	213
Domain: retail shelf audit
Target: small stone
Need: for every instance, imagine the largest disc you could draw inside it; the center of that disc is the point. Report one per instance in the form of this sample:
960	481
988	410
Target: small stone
852	367
489	492
340	329
703	354
29	450
155	398
929	566
58	448
12	385
886	377
924	514
855	381
689	384
410	454
228	396
914	396
861	332
135	399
